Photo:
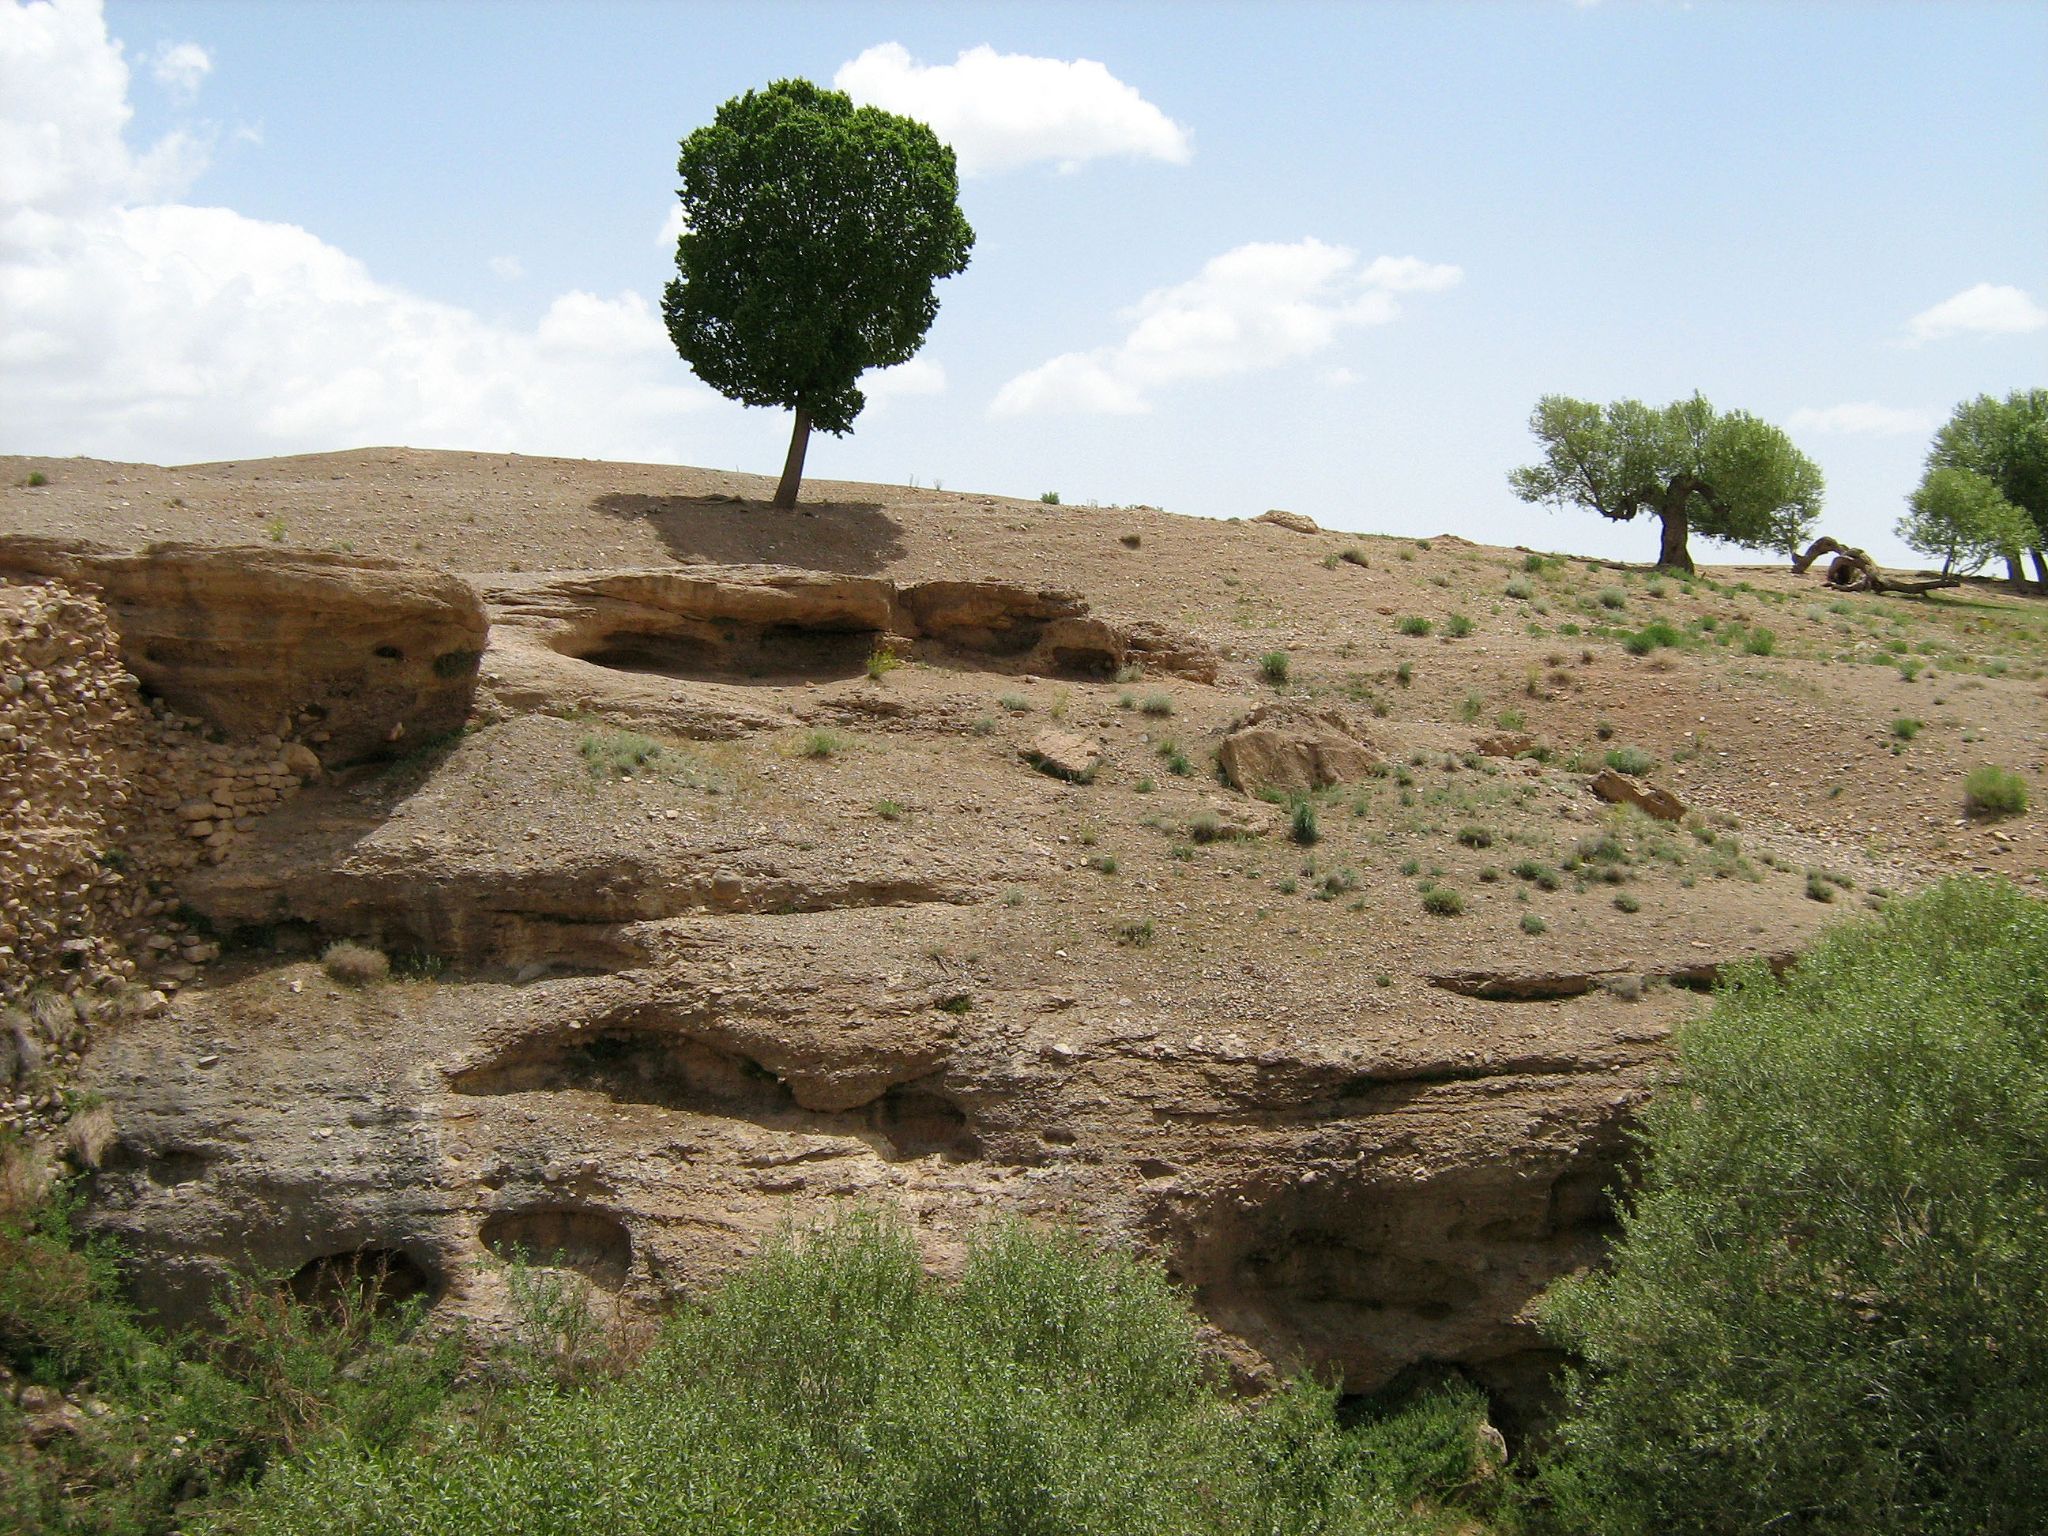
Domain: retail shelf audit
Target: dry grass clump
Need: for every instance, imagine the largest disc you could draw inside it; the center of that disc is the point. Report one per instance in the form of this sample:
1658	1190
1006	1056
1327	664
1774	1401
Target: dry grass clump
355	965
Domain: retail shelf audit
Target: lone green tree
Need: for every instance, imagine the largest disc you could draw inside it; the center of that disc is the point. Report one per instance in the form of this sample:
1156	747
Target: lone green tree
1727	476
814	231
2005	441
1958	516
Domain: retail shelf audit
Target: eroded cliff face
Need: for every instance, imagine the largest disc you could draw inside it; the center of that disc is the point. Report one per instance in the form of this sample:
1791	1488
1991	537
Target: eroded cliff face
828	938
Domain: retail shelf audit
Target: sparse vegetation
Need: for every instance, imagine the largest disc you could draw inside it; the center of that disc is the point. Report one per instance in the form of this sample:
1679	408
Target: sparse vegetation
822	744
1050	498
1630	760
1158	705
1302	824
1414	624
1274	667
1991	791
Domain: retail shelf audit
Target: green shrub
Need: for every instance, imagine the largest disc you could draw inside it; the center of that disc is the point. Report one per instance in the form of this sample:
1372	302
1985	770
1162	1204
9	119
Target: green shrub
1136	934
1632	760
36	478
1302	825
619	754
1518	587
1050	498
889	810
1353	555
1824	1312
1533	925
881	662
1994	791
1442	901
1613	597
830	1386
1273	666
1158	704
1457	626
1414	624
1760	642
822	744
1906	727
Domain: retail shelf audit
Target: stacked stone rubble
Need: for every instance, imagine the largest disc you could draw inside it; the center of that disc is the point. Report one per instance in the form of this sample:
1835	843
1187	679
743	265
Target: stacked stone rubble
107	798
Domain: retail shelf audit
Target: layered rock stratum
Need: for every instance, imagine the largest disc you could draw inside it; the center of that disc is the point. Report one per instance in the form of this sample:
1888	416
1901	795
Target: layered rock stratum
910	848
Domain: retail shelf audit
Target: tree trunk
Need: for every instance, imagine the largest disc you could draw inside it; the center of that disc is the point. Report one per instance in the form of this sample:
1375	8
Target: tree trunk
2040	568
1673	555
793	466
2015	572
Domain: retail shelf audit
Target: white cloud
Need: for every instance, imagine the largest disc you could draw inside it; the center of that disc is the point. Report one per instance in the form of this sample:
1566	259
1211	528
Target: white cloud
1253	307
1864	418
672	227
181	68
919	376
1986	309
507	268
135	327
1001	111
1340	377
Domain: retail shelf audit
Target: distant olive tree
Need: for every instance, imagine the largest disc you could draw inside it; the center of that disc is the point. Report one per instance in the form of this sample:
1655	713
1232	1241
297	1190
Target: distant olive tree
2005	441
813	233
1697	470
1958	517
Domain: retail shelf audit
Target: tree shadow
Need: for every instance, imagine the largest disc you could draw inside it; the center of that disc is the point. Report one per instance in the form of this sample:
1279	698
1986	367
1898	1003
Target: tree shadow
847	537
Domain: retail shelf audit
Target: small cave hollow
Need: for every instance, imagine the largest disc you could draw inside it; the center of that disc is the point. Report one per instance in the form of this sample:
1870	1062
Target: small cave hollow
384	1278
917	1122
668	1069
594	1243
661	1067
732	652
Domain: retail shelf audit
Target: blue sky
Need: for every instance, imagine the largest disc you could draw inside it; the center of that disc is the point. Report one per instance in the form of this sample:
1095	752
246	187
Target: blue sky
1311	256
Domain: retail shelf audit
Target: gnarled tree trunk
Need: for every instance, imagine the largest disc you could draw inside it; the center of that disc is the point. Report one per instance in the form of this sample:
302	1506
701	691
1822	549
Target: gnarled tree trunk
1852	570
1672	554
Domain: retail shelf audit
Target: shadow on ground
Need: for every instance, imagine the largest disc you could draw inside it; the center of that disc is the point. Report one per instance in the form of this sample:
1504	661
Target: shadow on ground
854	538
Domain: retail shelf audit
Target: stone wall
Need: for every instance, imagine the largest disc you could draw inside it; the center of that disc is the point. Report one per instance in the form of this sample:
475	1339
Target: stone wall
108	798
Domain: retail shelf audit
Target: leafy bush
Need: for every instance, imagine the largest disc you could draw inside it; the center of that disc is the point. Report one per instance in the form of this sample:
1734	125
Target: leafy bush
1050	498
1273	666
619	754
831	1387
1414	624
1458	626
1824	1313
1630	760
1442	901
1994	791
1157	704
1760	642
1906	727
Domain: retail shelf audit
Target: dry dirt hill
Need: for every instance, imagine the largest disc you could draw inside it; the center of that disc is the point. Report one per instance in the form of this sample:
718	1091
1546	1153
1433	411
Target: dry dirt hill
910	847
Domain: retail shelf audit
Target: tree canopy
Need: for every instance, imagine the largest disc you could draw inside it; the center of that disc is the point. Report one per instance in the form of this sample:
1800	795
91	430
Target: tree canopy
2005	441
814	232
1725	475
1959	517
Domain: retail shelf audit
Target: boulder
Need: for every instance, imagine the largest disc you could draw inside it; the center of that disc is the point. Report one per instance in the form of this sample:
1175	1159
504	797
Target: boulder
1504	744
1063	755
1293	522
1295	749
1619	788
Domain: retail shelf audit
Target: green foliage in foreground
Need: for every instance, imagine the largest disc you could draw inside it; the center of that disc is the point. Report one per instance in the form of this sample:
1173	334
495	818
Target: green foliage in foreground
183	1422
831	1387
1829	1309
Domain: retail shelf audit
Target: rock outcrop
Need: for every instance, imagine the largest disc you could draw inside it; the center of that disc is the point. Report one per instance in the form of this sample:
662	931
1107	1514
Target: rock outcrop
1618	788
1293	522
1294	749
353	654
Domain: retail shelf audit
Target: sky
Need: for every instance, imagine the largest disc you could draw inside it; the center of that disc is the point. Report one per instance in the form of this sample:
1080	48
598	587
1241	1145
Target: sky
1228	257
